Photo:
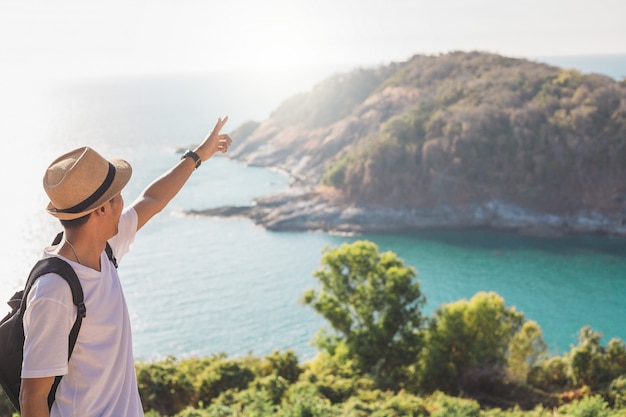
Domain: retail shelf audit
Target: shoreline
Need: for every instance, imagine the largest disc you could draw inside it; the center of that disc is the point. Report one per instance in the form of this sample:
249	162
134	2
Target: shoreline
308	208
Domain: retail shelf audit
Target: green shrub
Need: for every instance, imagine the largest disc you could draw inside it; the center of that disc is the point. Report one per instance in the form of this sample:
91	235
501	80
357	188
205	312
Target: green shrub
308	407
527	348
222	375
617	392
550	375
441	405
304	400
284	365
401	404
258	405
274	387
335	377
616	357
164	386
467	335
594	406
588	360
215	410
539	411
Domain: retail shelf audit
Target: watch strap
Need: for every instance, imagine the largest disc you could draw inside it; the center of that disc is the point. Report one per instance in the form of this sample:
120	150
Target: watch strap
194	156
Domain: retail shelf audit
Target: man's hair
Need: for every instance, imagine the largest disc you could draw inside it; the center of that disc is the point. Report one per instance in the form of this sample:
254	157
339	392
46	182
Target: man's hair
75	223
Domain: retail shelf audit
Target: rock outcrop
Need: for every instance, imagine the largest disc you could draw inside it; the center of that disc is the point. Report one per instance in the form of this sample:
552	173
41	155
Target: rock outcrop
311	209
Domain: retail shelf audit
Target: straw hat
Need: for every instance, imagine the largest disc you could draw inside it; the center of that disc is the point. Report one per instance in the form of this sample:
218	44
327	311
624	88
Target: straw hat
82	181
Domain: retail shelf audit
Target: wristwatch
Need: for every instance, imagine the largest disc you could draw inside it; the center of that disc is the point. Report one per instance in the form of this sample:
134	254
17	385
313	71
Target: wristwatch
193	155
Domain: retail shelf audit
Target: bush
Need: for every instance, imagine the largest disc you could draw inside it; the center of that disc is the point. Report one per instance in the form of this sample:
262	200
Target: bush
550	375
304	400
222	375
164	386
335	377
593	406
401	404
539	411
526	349
588	360
284	365
441	405
617	392
466	335
274	386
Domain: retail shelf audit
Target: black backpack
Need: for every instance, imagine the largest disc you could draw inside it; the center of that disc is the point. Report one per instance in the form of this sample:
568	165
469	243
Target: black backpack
12	330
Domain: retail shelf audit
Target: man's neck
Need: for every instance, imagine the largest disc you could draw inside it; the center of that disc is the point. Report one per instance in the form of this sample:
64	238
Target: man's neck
82	247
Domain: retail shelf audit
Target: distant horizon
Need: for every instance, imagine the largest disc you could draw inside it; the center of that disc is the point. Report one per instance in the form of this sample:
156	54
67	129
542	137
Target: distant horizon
76	38
610	64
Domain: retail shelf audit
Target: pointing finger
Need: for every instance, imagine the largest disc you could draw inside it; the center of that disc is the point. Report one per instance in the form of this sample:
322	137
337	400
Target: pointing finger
220	123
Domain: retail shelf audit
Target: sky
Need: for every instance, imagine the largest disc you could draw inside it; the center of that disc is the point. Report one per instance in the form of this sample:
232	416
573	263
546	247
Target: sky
82	37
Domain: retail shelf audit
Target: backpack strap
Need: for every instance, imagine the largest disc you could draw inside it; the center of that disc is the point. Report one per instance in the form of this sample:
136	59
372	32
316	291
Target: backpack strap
110	255
63	269
58	266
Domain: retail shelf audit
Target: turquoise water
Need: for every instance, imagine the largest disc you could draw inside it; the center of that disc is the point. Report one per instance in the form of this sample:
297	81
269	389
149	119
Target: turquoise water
197	285
237	285
561	283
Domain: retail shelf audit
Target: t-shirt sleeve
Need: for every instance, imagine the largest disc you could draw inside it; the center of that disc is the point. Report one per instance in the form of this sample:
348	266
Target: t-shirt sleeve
126	232
48	319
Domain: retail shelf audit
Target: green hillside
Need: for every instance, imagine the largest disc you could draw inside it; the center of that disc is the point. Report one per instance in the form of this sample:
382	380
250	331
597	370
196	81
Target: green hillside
459	128
487	127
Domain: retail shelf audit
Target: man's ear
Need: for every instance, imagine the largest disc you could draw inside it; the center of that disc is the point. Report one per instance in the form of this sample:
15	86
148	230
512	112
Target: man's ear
101	211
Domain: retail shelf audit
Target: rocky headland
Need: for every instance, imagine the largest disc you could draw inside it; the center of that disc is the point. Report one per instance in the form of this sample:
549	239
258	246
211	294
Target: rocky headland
450	141
309	209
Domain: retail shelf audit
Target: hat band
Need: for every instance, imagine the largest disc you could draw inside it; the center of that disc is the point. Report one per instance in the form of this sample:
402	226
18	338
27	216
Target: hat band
82	206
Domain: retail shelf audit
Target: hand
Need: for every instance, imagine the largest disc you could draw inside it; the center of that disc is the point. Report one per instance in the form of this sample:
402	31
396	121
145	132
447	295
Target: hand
215	141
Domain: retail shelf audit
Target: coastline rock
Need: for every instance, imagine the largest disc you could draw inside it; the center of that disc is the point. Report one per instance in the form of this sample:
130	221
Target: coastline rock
317	209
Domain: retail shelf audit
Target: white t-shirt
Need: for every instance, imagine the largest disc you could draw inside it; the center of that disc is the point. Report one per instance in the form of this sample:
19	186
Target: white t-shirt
100	377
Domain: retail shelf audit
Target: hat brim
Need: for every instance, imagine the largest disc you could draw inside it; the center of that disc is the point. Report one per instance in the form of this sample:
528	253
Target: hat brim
123	172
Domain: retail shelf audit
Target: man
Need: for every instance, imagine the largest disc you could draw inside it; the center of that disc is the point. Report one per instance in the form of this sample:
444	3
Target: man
84	191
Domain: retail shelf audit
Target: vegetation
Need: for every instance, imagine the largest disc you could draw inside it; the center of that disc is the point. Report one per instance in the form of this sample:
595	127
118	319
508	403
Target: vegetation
464	127
381	357
489	127
372	302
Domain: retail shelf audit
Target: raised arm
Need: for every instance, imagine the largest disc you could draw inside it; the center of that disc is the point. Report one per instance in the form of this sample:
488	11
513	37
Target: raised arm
161	191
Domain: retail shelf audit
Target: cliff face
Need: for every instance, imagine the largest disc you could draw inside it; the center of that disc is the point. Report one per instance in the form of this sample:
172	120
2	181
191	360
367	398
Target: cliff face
458	130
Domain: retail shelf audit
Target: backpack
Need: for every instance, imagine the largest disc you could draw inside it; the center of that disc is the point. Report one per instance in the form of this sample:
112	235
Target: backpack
12	330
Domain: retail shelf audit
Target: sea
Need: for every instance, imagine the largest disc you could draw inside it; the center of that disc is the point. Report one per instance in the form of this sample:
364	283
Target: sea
198	286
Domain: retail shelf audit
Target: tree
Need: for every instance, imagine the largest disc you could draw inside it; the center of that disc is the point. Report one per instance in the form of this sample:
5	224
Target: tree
372	302
467	335
527	349
595	365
